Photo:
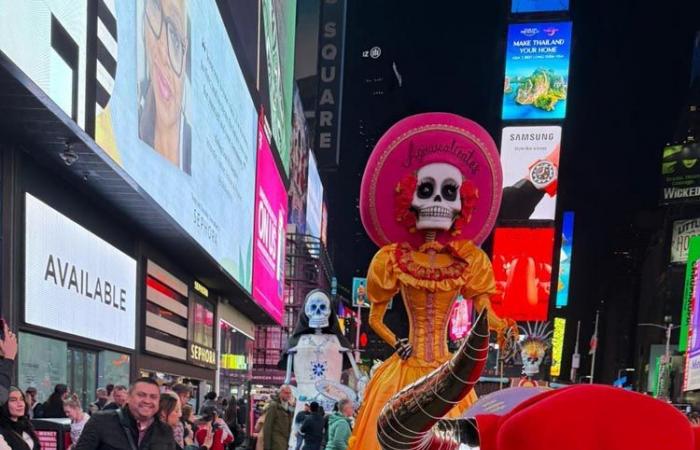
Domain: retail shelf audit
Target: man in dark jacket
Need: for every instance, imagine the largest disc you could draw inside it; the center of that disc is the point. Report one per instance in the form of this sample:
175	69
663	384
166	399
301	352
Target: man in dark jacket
278	420
312	428
133	427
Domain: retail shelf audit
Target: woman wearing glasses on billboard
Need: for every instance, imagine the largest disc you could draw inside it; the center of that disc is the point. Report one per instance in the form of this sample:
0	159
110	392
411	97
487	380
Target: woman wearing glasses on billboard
164	70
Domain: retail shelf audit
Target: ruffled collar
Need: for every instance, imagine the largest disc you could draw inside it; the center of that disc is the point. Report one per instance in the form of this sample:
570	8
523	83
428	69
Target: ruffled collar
409	269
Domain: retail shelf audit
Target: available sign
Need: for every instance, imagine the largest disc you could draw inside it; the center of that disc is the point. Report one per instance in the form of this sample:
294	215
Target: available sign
75	282
680	173
683	230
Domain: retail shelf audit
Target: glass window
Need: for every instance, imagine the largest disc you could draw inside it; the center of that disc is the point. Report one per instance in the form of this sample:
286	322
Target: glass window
203	322
113	368
41	363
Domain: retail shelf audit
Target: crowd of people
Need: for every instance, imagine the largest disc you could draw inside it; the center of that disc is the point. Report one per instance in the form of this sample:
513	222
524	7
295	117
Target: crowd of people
146	415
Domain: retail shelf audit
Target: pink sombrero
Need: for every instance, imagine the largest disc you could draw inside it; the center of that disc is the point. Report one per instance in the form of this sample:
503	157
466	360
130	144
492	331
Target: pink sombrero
411	144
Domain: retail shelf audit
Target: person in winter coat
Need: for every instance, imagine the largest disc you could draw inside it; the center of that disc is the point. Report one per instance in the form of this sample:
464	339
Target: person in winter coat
278	420
339	427
312	428
16	430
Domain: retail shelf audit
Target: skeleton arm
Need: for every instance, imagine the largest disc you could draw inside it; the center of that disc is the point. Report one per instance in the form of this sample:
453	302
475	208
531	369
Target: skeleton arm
290	364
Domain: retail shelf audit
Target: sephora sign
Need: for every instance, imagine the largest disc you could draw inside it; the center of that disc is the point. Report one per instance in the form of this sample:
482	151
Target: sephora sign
75	282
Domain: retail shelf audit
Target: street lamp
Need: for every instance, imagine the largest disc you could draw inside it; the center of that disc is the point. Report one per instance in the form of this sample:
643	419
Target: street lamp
668	327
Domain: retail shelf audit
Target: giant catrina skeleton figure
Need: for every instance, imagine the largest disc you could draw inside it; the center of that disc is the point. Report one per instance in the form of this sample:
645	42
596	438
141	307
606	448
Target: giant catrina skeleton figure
430	195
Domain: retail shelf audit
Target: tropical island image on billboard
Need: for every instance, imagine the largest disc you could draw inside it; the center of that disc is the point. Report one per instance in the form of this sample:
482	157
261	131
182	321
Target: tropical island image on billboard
543	89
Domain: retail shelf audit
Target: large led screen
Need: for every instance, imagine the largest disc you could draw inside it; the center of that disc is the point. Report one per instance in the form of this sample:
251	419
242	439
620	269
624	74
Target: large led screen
270	232
46	39
74	281
557	346
537	71
690	320
522	263
530	6
181	122
530	160
683	231
299	170
279	26
567	252
314	200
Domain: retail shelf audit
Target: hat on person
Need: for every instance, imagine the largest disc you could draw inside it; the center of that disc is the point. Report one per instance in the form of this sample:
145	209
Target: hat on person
412	143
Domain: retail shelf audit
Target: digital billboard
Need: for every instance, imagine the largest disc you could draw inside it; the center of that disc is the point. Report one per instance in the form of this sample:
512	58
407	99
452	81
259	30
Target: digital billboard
565	255
690	320
299	170
680	173
270	232
314	200
537	71
182	124
279	26
689	313
557	346
531	6
530	160
522	263
683	231
359	293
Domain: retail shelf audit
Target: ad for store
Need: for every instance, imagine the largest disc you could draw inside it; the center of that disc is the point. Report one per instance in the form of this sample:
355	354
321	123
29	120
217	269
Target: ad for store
530	160
680	173
567	252
683	231
522	264
270	232
537	71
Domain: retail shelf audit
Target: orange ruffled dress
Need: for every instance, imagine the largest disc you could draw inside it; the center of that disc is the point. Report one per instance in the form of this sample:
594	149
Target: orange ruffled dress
430	279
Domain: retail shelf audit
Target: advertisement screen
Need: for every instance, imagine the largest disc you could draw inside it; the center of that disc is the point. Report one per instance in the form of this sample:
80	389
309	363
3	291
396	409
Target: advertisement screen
270	232
529	6
557	346
299	170
522	263
181	122
690	322
76	282
279	21
530	160
46	39
537	71
680	173
689	313
460	319
359	293
314	200
683	230
567	251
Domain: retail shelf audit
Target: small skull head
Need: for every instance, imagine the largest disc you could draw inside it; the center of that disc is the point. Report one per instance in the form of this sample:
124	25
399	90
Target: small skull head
318	309
437	201
532	353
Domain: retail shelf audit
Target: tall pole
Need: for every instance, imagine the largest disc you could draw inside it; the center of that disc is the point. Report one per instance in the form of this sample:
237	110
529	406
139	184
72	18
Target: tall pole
357	334
576	357
595	348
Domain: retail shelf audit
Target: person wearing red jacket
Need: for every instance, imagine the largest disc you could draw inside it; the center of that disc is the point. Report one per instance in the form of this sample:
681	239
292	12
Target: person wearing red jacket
213	433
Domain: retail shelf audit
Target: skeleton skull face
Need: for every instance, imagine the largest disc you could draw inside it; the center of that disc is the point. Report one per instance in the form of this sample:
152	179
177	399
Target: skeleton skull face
437	202
532	353
318	309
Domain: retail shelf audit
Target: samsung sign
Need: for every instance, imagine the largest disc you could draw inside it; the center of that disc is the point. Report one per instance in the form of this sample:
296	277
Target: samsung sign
75	282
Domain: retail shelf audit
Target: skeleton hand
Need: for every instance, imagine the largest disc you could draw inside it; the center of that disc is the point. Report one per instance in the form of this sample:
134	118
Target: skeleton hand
403	348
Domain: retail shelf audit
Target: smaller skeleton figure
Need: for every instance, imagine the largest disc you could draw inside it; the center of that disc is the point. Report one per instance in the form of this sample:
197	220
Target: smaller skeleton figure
534	347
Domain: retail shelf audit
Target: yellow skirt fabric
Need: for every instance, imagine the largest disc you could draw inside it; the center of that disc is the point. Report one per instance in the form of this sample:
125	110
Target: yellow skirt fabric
392	376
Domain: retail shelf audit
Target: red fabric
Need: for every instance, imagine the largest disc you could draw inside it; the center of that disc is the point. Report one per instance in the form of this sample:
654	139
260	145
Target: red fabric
589	418
201	436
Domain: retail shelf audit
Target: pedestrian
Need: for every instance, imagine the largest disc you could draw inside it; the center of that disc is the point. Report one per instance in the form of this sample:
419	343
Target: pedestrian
16	430
78	419
189	427
339	426
212	432
100	402
312	428
184	393
209	401
31	400
278	421
298	422
258	432
53	407
120	394
231	419
134	426
110	393
170	412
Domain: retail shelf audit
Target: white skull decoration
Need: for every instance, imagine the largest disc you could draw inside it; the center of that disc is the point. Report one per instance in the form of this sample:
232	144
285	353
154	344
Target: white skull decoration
317	309
437	202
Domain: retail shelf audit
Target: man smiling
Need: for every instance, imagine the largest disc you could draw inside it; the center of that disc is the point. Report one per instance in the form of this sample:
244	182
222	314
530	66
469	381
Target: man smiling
134	426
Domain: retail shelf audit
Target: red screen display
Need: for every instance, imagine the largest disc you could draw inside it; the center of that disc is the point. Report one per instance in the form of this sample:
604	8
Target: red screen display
522	264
